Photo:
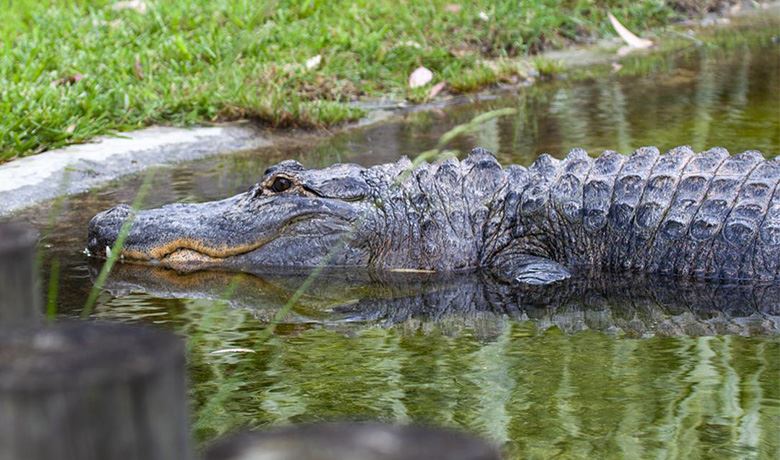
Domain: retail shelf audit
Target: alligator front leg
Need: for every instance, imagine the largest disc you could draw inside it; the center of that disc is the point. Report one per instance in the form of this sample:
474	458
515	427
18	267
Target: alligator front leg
533	270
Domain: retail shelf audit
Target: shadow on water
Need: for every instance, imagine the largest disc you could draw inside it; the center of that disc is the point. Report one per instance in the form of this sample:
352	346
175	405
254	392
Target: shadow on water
601	367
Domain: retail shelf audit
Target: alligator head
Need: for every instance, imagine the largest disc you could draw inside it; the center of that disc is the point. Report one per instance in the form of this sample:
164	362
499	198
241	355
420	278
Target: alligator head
294	217
390	217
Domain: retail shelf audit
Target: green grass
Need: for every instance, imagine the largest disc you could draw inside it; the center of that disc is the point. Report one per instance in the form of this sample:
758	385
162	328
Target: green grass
71	70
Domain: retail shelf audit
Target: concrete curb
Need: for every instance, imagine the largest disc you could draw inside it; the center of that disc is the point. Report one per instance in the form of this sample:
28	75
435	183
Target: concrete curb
78	168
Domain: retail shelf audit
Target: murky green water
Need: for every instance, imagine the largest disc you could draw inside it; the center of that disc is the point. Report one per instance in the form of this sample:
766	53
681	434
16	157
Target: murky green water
609	371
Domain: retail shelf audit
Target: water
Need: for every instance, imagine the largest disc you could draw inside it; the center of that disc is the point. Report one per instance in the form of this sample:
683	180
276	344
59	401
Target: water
616	370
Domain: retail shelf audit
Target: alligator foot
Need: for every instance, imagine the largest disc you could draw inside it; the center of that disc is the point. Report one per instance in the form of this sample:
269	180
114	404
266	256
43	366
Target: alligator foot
535	270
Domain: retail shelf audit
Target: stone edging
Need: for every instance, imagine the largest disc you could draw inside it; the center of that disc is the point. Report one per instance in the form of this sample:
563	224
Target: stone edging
78	168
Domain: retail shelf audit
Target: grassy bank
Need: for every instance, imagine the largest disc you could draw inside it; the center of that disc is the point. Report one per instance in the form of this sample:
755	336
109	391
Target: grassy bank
71	70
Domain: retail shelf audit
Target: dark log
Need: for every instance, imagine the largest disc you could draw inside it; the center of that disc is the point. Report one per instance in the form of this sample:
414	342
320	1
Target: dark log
92	391
353	441
20	300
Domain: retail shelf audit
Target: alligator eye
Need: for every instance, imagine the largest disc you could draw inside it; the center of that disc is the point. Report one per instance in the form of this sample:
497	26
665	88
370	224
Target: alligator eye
281	184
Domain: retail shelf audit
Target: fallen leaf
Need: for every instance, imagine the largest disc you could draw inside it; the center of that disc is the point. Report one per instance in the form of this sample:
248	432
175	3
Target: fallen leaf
313	62
411	44
452	8
68	80
629	37
137	69
436	89
420	77
135	5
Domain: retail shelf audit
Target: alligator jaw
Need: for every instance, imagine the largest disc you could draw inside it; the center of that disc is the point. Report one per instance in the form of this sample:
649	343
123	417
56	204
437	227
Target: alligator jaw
187	256
182	260
188	260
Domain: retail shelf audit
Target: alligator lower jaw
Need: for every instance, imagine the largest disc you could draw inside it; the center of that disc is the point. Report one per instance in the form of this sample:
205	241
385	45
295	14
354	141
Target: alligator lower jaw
188	260
182	260
188	255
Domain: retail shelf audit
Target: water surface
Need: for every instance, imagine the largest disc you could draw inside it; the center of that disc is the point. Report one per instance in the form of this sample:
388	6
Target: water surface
595	375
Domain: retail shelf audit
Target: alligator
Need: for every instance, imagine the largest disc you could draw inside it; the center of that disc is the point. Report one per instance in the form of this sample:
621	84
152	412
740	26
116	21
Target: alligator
708	215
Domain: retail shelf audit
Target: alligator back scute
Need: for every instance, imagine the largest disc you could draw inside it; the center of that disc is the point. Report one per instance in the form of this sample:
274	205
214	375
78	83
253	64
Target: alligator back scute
671	246
629	188
707	162
545	166
483	175
567	190
741	164
543	172
446	178
741	226
630	185
770	228
676	249
767	257
710	219
660	190
598	190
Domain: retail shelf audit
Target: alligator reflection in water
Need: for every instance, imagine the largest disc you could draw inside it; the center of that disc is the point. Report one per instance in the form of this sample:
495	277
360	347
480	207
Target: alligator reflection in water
635	306
453	355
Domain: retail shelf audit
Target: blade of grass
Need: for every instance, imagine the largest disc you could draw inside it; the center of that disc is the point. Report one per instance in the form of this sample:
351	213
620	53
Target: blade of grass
472	125
54	288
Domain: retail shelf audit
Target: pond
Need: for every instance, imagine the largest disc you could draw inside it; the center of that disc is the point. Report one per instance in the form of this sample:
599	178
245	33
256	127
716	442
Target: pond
625	368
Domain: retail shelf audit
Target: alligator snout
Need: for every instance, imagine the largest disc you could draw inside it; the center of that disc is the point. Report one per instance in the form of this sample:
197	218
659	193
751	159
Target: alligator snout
104	228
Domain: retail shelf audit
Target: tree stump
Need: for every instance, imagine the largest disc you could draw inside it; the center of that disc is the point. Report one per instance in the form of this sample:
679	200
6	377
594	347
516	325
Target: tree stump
20	301
92	391
353	441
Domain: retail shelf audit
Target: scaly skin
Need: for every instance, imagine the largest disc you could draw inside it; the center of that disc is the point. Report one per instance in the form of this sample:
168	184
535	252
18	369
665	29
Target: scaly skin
703	216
